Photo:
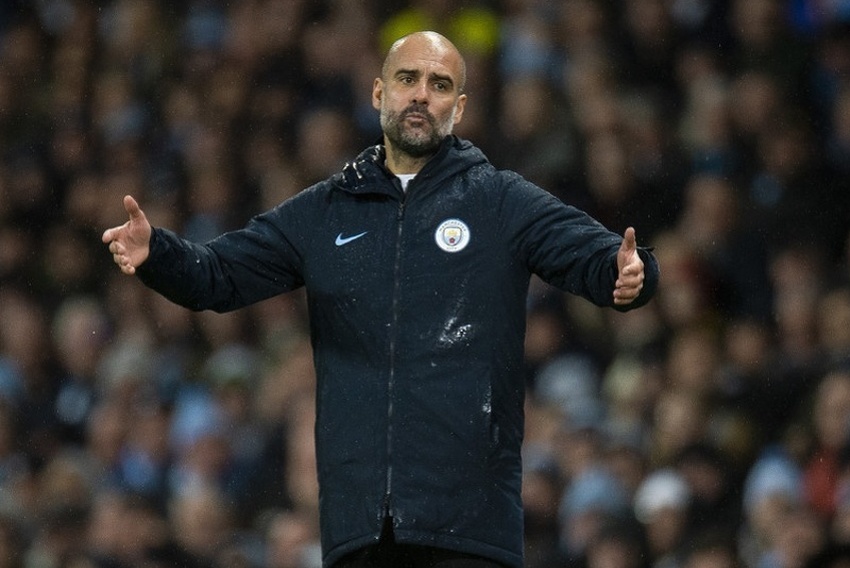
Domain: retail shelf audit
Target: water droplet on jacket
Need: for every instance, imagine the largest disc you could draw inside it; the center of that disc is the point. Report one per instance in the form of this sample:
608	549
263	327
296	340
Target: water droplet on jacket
453	333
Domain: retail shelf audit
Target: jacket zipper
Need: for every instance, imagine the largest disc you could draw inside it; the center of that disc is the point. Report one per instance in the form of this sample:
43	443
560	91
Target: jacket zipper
387	509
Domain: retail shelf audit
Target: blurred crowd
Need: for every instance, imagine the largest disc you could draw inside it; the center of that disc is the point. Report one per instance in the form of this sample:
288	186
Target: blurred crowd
710	429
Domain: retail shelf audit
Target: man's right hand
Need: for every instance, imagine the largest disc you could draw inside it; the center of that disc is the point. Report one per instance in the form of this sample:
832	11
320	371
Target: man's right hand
130	242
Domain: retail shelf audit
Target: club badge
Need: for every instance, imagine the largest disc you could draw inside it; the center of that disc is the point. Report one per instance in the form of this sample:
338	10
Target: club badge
452	235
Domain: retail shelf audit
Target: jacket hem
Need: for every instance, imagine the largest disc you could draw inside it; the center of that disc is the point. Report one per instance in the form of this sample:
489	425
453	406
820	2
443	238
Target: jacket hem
336	554
459	544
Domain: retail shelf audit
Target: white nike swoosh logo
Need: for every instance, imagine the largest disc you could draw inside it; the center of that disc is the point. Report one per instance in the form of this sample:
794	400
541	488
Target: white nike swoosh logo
340	240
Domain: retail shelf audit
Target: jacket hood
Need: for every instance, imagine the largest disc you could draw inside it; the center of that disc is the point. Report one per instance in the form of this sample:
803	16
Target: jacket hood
364	173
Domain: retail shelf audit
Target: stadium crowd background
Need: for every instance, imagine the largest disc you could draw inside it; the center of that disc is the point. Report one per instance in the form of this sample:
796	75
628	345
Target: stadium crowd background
707	430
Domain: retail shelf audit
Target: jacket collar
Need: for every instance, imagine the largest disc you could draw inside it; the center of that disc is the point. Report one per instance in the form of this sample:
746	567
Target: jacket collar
368	173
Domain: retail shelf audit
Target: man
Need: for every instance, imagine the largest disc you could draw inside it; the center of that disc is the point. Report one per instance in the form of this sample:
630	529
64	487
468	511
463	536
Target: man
416	259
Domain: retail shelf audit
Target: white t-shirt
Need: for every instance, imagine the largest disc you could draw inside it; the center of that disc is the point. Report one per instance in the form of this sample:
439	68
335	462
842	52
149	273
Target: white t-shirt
405	179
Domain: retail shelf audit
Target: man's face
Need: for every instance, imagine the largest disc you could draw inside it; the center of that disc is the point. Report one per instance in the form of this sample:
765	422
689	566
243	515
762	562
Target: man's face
419	95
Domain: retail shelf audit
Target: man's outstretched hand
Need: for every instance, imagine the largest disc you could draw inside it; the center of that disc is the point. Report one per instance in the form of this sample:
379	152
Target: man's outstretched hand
130	242
630	273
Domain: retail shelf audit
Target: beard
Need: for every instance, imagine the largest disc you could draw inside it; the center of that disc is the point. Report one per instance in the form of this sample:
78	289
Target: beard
420	141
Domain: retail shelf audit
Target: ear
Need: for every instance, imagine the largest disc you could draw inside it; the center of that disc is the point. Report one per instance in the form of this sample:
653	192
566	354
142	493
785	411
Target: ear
461	103
377	93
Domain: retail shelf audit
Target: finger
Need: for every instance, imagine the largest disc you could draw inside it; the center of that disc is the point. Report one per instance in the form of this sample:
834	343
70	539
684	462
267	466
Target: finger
629	282
633	269
632	287
626	294
132	207
107	236
117	247
624	298
124	263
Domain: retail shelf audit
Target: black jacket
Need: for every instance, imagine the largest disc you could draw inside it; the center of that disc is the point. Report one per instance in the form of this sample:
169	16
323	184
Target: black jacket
417	313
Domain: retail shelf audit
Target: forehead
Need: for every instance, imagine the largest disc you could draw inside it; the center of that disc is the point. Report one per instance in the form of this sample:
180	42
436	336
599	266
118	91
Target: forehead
424	52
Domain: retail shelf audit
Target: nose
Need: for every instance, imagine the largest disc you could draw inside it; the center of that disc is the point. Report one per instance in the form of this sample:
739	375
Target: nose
420	93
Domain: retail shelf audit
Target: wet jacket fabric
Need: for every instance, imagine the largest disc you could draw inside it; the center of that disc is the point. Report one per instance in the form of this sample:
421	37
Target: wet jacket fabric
417	312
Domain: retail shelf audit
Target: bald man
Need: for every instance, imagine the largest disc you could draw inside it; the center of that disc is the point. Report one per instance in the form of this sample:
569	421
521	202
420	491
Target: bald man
416	259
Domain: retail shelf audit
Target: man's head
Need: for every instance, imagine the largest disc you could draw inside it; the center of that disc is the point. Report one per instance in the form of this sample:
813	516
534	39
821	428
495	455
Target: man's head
420	93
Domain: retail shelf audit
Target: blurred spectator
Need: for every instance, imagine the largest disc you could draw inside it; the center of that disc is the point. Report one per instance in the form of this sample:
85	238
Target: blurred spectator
620	543
797	279
712	481
662	506
834	556
763	41
812	17
773	489
800	537
752	388
292	541
80	331
122	530
107	431
11	542
834	325
681	419
707	130
839	524
830	414
583	28
649	46
711	551
145	458
838	137
592	500
202	524
527	43
325	143
60	505
300	471
791	183
541	490
536	135
712	221
30	385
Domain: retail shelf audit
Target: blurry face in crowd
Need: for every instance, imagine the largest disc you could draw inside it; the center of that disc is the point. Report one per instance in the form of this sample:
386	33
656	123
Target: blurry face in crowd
419	93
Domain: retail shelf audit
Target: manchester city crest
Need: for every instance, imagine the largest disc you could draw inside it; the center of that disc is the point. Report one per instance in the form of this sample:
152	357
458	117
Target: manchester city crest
452	235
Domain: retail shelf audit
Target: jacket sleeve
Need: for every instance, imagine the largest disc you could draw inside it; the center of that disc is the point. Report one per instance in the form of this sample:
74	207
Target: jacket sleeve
231	271
566	247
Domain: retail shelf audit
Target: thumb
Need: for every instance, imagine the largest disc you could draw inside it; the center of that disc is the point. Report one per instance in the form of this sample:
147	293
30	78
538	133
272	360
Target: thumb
629	240
132	208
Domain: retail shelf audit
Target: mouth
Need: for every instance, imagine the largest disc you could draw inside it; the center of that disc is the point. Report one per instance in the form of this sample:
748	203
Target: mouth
418	115
418	122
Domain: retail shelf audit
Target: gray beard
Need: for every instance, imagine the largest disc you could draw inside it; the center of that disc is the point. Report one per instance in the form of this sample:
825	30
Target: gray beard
415	143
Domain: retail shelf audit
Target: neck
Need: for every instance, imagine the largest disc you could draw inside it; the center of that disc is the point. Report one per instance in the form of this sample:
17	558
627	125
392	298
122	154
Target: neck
399	162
